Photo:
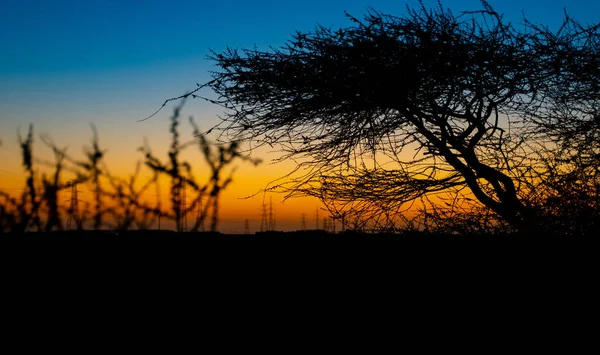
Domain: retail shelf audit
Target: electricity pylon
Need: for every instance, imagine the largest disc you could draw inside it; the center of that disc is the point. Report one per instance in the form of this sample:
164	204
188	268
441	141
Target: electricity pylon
264	224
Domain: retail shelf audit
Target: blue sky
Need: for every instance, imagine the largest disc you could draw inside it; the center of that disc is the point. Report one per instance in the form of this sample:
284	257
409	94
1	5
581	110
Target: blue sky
124	56
69	37
67	64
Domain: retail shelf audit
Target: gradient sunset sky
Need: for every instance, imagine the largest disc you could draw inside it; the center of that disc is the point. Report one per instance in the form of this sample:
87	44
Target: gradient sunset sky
67	64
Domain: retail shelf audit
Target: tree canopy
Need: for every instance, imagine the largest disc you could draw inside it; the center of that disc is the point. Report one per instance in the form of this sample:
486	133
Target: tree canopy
393	110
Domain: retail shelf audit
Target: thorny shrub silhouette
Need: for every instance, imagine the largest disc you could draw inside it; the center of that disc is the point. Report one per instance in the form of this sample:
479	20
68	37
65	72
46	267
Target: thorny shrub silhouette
117	203
463	116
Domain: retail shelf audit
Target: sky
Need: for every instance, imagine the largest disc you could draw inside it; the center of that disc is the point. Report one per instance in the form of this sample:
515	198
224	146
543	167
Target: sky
67	64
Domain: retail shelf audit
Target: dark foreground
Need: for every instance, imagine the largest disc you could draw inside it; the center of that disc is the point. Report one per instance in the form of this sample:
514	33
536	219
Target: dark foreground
311	235
154	251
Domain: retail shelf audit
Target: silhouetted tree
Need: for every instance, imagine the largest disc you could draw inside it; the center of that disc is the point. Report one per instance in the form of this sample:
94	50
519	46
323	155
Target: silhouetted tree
392	109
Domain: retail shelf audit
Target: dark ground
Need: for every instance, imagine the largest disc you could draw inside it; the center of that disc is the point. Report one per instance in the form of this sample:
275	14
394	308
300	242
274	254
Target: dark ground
192	258
308	236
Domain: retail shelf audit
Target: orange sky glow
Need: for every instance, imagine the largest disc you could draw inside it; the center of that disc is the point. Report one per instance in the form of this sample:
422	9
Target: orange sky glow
241	200
71	64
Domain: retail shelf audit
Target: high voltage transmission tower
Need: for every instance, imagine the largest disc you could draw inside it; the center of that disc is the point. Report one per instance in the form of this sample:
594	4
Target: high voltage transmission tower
267	220
303	227
263	218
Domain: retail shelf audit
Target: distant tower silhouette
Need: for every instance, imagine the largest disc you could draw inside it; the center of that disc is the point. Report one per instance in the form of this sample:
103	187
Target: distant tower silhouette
246	226
73	207
317	218
303	222
264	224
325	224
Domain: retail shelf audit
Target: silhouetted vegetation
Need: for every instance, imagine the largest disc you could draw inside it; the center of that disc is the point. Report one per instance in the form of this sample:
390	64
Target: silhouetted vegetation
117	203
430	124
479	125
180	173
